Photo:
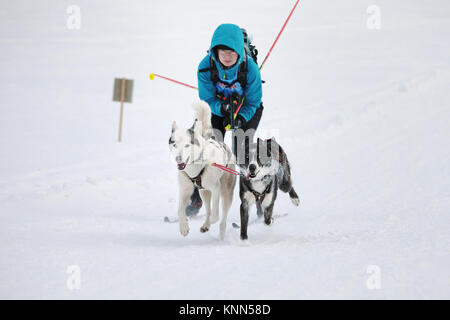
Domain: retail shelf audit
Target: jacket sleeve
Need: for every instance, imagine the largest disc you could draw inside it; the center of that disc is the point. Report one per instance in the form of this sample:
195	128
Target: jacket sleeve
253	91
206	88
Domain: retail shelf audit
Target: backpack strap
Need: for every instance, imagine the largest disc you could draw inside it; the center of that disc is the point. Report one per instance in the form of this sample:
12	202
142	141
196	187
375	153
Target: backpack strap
213	69
241	76
242	72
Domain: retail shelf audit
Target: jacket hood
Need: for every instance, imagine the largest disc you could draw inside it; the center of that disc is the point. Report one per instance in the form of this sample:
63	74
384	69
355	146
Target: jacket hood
229	35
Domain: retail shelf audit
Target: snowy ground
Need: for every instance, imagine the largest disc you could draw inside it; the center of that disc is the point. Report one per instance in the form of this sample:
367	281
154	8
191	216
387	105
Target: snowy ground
362	114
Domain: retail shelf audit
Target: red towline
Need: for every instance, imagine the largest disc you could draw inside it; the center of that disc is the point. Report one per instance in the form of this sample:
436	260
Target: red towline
153	75
229	170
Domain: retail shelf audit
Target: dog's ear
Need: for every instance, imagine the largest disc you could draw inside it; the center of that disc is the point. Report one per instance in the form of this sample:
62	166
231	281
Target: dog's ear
269	147
259	145
197	127
273	148
174	126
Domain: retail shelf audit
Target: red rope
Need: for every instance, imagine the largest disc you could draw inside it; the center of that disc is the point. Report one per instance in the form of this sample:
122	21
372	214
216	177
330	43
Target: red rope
184	84
237	110
279	34
229	170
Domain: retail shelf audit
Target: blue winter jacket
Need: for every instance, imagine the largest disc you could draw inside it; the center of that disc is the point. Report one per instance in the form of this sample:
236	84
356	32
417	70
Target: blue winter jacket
231	36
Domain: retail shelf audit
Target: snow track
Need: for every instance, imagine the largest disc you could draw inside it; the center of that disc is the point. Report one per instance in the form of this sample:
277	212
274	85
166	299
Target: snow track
362	115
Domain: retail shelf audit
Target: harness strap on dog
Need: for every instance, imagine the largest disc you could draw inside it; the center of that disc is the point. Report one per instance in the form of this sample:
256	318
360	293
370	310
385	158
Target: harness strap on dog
197	181
259	197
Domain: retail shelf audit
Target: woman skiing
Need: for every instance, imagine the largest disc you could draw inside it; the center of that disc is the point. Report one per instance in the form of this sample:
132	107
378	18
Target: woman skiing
229	80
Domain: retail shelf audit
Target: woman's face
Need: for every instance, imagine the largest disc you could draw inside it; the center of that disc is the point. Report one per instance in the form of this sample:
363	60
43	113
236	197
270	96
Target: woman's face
227	57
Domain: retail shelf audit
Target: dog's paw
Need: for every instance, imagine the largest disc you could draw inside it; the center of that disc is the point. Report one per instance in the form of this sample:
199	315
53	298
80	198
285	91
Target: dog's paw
295	201
204	229
269	221
184	229
222	233
244	242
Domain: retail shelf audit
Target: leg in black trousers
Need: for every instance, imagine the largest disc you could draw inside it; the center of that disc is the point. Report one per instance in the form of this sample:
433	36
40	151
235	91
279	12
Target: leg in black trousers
249	129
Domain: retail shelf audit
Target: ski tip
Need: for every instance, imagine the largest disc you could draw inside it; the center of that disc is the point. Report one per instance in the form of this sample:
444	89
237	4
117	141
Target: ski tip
152	76
166	219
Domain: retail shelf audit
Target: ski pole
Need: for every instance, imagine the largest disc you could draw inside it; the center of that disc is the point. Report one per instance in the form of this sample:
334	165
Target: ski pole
235	113
153	75
233	141
284	25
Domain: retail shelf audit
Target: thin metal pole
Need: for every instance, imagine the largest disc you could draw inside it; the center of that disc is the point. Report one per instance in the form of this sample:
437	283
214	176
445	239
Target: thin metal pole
122	97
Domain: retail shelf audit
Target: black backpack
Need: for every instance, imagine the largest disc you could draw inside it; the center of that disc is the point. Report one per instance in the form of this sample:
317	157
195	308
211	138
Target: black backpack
250	49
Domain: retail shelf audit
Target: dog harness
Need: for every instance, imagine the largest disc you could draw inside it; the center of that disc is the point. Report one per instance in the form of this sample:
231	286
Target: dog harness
197	181
259	197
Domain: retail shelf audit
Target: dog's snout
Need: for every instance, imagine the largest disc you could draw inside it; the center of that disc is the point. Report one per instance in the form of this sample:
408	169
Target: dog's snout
178	159
252	167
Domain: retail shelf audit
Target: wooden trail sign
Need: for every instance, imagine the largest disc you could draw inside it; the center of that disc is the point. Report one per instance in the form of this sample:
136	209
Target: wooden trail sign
123	92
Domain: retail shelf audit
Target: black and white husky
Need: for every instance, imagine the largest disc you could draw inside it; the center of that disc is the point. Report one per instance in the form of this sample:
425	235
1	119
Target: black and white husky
264	169
194	151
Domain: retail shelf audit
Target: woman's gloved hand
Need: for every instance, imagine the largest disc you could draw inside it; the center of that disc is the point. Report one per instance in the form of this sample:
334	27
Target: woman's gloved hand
225	109
239	122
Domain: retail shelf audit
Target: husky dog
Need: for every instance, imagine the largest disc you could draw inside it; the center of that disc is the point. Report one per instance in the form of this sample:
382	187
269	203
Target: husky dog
265	169
195	150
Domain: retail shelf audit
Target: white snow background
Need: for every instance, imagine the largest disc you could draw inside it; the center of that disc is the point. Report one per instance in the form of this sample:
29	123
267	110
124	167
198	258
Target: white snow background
362	114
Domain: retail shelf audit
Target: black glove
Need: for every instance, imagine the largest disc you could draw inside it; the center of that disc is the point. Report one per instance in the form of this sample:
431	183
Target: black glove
226	121
225	110
239	122
236	99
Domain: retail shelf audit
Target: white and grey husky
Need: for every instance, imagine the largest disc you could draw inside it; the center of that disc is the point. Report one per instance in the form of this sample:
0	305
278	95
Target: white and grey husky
264	169
195	150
